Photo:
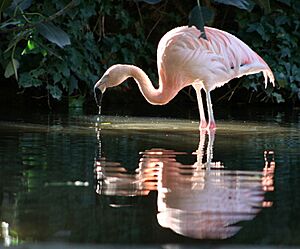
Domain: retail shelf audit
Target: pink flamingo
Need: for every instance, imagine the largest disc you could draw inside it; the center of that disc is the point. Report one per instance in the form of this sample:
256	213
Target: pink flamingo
183	59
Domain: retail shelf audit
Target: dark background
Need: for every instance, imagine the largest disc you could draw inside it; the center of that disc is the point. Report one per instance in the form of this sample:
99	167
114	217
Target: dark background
56	65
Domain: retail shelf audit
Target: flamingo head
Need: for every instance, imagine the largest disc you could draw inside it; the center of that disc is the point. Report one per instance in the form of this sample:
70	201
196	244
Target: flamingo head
113	76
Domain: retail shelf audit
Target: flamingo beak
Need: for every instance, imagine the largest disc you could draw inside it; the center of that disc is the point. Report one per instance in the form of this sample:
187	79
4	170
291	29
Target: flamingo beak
98	96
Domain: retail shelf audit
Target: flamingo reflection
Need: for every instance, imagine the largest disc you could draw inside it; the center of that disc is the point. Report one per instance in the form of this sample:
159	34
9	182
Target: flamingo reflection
202	200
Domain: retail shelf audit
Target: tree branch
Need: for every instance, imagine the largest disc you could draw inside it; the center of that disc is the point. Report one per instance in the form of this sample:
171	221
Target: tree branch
48	19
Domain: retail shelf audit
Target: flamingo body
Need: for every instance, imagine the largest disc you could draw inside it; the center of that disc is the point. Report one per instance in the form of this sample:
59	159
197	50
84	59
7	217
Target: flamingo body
183	59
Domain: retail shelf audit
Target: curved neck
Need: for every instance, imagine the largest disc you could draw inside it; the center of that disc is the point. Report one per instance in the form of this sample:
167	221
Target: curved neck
154	96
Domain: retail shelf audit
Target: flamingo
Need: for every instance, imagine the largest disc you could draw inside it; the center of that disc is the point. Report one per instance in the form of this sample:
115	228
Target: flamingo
183	59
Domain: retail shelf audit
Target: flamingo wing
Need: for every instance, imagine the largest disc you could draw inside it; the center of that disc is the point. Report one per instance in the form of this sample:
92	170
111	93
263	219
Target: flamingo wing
184	58
241	58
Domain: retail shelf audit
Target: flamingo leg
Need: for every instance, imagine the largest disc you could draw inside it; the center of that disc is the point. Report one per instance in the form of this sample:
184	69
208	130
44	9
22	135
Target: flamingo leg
211	119
210	144
200	151
203	123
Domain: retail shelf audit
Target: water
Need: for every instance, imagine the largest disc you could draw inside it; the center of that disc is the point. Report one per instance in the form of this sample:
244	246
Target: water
146	181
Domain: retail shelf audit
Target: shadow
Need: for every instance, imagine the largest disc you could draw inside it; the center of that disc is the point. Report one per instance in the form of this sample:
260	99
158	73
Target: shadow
202	200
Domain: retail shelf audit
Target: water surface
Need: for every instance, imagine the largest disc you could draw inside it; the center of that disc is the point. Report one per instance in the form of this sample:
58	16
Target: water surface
149	181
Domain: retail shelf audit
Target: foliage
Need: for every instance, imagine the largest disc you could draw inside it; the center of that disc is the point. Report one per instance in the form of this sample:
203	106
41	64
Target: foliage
276	37
61	48
89	46
25	52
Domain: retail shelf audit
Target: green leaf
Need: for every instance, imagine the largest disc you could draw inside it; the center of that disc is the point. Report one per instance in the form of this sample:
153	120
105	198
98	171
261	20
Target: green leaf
208	15
31	45
260	29
55	91
242	4
38	72
287	2
265	5
54	34
279	20
73	84
278	97
45	50
76	102
150	1
22	4
28	80
12	68
4	4
196	19
281	79
75	57
88	11
65	70
56	77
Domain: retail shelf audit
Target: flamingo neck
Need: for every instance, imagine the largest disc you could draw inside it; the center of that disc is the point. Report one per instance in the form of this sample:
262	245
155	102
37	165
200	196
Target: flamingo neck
155	96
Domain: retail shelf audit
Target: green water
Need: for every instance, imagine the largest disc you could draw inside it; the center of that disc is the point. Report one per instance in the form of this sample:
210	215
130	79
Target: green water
149	181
